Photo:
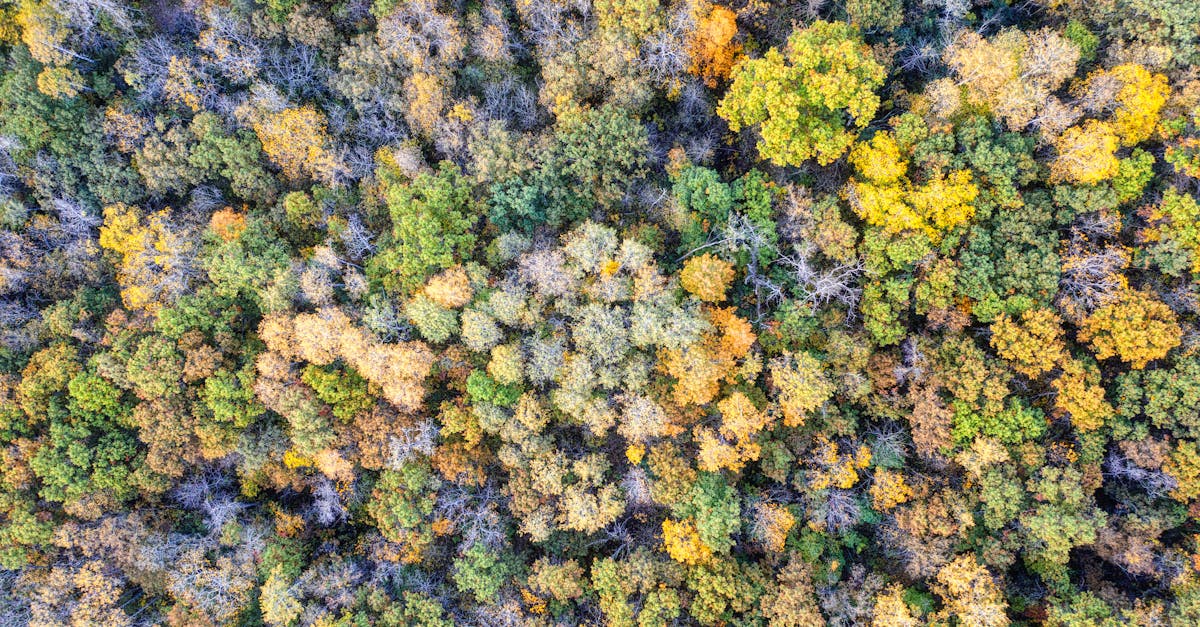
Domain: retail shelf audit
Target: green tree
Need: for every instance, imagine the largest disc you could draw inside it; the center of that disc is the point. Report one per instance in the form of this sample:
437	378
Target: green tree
482	572
433	228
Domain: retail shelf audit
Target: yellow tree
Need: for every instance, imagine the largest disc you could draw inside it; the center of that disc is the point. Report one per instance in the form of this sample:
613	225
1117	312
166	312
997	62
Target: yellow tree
60	82
888	490
803	386
891	610
1033	345
296	140
707	277
770	525
682	542
700	367
808	100
883	196
1136	327
1135	96
734	443
1080	395
969	594
152	260
1086	154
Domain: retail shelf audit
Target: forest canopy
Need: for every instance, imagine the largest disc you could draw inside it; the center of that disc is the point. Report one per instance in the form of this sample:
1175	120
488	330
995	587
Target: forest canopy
643	313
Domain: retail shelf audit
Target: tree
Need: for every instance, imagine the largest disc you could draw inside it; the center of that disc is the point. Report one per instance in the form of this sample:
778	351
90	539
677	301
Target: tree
433	220
803	386
564	582
891	610
707	277
711	44
295	139
1168	397
233	156
279	604
1138	98
1136	327
402	507
875	15
723	588
482	572
1080	395
1034	345
600	150
1172	236
970	594
803	98
154	260
682	542
1185	156
771	525
794	602
1065	517
888	490
712	512
884	197
1086	154
1014	72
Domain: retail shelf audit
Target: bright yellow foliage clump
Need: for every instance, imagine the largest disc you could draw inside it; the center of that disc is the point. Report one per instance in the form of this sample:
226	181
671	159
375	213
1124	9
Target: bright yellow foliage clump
884	197
1033	345
151	255
1080	395
835	469
1136	327
295	139
889	490
879	160
1138	103
1086	154
891	610
682	542
734	443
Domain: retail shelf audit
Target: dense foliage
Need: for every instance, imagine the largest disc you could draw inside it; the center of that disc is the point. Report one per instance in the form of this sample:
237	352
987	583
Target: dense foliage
628	313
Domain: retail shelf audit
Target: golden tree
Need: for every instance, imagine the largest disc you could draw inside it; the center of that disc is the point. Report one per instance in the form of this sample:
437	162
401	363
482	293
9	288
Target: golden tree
803	386
1033	345
1136	327
297	141
883	196
710	44
1080	395
707	277
970	595
1086	154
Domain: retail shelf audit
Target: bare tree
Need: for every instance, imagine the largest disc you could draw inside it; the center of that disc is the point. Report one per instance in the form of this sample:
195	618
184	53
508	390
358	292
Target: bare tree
818	288
327	504
420	438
